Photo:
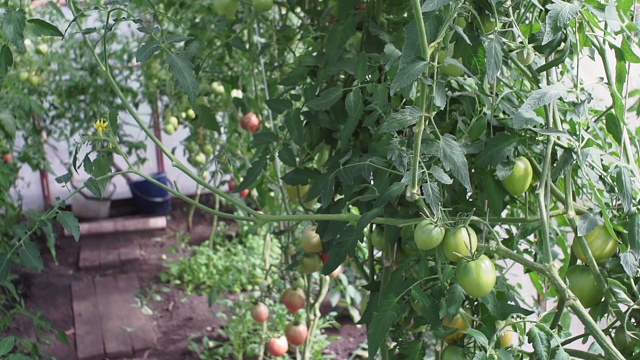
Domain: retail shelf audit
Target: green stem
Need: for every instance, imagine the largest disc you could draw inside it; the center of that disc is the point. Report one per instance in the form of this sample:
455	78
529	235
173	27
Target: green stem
192	209
314	316
214	224
413	192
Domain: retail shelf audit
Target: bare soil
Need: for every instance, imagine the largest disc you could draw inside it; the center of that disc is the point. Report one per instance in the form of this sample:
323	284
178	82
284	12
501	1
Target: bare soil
180	318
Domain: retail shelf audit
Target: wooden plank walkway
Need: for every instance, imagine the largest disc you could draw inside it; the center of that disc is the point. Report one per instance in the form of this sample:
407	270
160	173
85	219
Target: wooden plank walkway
107	253
108	323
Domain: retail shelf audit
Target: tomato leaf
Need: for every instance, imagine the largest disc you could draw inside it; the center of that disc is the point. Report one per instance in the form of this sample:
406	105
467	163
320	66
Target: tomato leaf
279	106
629	263
540	341
477	335
493	45
40	27
504	354
625	188
6	344
252	174
30	255
454	160
633	230
455	297
8	123
5	267
413	350
586	222
182	71
629	52
542	97
47	228
355	108
146	51
618	293
400	120
560	13
13	24
408	74
6	61
326	99
429	6
69	223
431	194
496	150
387	311
287	156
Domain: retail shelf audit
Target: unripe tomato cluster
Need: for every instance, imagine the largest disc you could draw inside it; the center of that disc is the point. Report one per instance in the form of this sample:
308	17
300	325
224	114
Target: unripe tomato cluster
581	279
313	257
475	274
172	122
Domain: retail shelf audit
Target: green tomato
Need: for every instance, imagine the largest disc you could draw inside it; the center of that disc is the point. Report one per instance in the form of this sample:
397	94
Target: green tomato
34	80
486	24
355	42
428	235
192	147
173	121
169	129
310	263
199	159
23	76
601	244
310	241
42	49
477	277
453	352
526	56
626	342
207	149
191	114
583	285
262	5
377	238
226	8
520	177
217	88
452	67
459	242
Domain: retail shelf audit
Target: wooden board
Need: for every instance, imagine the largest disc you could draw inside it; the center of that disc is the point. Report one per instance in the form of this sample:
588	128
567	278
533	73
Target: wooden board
88	332
129	251
111	302
141	330
109	253
89	255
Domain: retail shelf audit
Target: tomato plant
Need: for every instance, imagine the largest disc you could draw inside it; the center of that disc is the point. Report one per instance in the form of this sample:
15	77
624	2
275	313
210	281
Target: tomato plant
459	242
601	244
296	333
477	277
277	346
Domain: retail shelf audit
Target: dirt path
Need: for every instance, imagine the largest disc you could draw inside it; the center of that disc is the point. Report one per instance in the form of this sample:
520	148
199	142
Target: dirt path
178	318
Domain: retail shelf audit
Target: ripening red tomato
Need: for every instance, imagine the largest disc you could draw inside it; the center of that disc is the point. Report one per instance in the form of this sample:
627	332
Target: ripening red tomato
259	312
244	193
232	185
296	333
324	257
277	346
7	157
250	122
293	299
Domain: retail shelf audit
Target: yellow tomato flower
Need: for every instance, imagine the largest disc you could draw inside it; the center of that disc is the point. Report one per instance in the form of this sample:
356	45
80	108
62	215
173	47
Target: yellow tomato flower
100	125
